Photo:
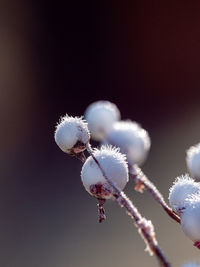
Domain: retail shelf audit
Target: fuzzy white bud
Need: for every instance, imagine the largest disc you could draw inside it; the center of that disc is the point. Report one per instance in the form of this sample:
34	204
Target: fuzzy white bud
115	167
183	187
190	218
132	140
100	116
193	161
72	134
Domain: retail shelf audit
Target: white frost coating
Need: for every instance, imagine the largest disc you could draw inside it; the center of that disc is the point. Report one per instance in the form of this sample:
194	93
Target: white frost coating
193	161
100	116
69	131
191	264
112	162
183	187
190	219
132	140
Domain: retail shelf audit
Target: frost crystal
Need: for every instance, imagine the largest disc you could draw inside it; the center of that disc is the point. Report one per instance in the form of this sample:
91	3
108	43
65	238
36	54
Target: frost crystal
182	189
115	167
132	140
72	134
100	116
193	161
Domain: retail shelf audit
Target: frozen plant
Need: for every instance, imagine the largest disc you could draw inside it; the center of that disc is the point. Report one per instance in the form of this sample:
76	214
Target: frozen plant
193	161
105	172
100	116
134	141
183	187
104	175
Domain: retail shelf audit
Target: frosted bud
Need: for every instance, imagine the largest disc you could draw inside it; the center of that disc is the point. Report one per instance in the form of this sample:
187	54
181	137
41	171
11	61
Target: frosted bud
100	116
191	264
72	134
193	161
182	188
190	218
132	140
115	167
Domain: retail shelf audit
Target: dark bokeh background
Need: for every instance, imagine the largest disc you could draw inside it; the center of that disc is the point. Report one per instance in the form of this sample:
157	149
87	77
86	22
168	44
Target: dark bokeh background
59	57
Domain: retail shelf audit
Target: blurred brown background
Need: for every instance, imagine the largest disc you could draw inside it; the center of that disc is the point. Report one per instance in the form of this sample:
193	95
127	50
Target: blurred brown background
59	57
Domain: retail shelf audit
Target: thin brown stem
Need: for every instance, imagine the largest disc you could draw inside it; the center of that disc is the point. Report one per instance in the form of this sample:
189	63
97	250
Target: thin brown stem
145	227
142	182
101	210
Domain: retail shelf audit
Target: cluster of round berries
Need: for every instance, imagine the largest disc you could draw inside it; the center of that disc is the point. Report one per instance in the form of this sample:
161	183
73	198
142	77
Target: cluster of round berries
105	126
124	144
184	196
72	135
105	172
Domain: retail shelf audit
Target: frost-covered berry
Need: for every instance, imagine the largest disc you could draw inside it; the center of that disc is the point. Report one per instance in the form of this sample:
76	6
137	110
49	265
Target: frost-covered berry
72	134
191	264
190	218
100	116
183	187
115	167
132	140
193	161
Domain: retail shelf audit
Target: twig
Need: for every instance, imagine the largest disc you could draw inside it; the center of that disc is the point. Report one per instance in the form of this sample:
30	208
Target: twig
143	182
145	227
101	211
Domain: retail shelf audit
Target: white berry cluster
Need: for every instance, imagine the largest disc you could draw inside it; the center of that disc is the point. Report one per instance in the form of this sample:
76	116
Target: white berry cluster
124	144
121	141
105	126
72	136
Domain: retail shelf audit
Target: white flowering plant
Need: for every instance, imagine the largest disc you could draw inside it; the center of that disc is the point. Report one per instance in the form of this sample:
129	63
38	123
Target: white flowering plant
124	146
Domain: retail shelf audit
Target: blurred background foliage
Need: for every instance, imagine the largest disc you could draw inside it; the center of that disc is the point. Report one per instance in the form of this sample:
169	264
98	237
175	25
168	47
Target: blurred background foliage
58	57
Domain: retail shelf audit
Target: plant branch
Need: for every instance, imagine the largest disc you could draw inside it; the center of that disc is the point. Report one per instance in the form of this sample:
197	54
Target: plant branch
142	182
145	227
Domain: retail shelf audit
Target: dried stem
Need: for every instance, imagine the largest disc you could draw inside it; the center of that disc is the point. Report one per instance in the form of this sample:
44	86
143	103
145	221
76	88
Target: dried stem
143	182
101	210
145	227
